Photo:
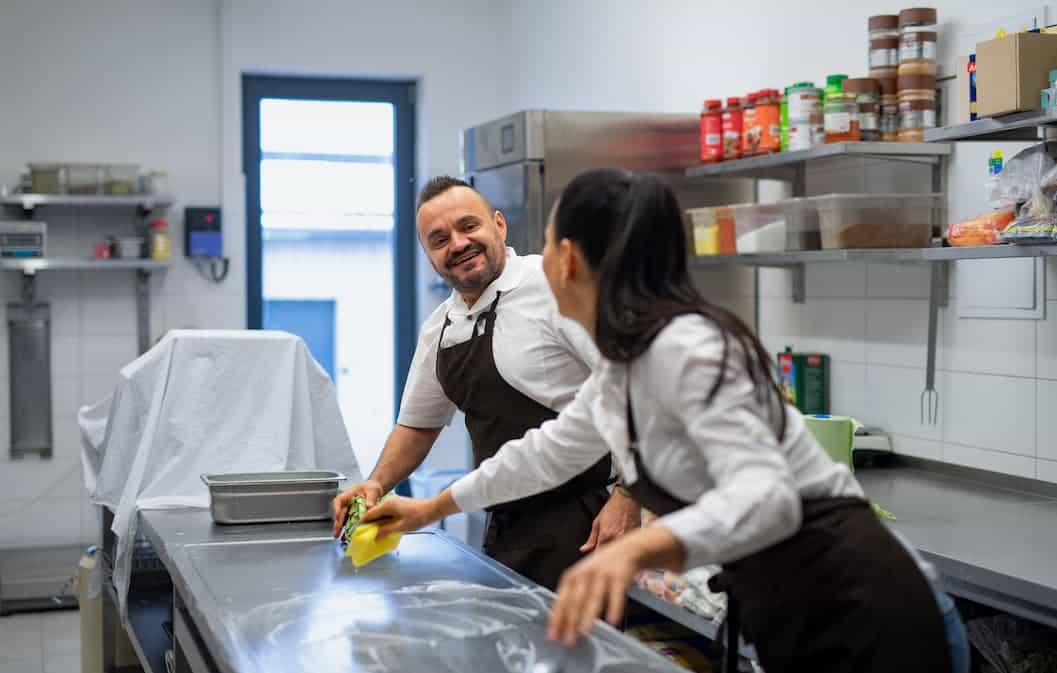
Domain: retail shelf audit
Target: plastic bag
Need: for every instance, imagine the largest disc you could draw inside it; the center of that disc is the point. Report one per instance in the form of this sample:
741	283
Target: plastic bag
1030	178
1012	645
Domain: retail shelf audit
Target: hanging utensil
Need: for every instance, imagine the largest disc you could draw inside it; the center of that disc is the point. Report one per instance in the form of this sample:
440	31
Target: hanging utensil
930	398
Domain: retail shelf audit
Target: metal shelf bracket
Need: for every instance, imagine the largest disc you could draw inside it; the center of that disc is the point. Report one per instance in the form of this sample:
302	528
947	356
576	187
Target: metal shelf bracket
799	279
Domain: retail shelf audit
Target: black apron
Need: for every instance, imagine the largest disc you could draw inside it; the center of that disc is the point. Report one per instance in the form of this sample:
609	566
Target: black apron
839	596
539	536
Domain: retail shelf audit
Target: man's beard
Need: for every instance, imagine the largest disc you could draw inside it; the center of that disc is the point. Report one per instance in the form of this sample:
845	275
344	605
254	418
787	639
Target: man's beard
475	282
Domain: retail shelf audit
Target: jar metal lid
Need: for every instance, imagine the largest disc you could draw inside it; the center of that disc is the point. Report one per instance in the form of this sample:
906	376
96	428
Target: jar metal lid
883	22
917	15
861	85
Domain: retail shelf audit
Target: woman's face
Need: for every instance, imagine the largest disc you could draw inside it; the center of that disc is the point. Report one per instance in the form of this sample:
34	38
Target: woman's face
552	266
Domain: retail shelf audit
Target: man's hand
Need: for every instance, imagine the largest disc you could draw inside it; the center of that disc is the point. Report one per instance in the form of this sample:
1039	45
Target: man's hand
369	490
620	515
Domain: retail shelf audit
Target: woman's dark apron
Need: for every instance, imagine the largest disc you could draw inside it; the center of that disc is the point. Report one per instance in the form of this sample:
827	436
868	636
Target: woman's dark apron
840	596
539	536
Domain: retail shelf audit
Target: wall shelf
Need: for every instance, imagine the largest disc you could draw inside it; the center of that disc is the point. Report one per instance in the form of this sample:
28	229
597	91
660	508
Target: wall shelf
145	202
908	255
1023	126
785	165
32	266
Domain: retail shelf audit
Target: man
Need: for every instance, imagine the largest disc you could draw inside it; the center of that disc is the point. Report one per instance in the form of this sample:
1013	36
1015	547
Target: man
498	350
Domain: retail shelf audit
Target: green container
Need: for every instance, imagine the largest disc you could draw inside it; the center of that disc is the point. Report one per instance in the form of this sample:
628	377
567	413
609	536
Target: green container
784	116
834	84
804	378
836	434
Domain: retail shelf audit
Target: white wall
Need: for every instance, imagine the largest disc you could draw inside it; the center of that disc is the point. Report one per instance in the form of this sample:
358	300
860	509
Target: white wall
997	380
121	80
157	83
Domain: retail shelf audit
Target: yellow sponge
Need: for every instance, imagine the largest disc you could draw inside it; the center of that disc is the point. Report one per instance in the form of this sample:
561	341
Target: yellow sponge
364	546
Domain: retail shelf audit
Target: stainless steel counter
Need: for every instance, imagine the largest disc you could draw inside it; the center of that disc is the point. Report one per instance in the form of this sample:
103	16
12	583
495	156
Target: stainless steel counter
994	539
282	597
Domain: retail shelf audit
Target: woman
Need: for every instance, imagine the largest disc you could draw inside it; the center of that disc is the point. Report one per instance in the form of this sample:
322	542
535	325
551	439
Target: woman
686	403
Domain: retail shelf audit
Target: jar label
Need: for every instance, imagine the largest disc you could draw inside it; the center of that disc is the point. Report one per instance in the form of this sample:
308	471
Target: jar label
883	58
929	119
838	122
869	121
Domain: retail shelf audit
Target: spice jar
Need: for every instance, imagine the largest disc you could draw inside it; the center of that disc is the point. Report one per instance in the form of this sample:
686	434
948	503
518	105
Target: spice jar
749	144
711	131
883	25
884	52
805	121
832	85
917	41
769	121
732	126
868	105
917	106
160	240
841	118
889	111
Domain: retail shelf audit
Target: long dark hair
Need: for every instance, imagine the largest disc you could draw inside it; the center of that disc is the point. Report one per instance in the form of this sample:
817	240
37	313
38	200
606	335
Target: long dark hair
630	229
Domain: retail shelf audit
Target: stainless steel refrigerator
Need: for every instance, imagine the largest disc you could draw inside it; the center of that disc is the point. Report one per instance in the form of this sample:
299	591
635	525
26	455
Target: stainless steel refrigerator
521	163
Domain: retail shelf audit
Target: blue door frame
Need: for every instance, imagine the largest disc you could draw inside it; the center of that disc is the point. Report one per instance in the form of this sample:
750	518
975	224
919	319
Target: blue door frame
401	94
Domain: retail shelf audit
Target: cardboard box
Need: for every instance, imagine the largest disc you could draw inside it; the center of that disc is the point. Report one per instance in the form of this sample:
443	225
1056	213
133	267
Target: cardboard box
1011	71
963	108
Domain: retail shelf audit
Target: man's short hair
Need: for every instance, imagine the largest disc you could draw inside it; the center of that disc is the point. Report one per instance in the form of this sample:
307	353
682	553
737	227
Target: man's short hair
442	183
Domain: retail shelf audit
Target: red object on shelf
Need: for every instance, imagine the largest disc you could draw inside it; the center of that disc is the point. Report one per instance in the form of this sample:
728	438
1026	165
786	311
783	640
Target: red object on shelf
732	126
712	131
101	251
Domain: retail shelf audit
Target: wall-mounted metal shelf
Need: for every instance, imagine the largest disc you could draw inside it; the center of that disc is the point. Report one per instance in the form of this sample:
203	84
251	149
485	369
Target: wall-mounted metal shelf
32	266
1023	126
144	202
886	256
785	165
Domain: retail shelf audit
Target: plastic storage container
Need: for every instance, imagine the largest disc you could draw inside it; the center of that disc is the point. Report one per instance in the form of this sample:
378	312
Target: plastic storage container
47	178
760	227
120	179
801	224
878	220
712	231
84	178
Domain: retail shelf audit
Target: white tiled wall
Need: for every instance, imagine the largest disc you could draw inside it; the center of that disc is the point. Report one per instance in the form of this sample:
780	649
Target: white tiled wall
997	379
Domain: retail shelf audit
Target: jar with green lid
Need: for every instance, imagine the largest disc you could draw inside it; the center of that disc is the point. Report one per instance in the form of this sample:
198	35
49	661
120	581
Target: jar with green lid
841	112
833	85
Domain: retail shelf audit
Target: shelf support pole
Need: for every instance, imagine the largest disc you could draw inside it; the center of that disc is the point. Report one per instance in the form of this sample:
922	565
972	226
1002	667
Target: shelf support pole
799	272
143	310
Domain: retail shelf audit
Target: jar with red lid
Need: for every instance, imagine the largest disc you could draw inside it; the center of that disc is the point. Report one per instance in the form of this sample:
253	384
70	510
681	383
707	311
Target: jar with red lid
749	145
732	127
712	131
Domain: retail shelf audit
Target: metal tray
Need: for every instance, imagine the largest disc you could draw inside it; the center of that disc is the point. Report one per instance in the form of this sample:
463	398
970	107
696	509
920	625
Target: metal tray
270	497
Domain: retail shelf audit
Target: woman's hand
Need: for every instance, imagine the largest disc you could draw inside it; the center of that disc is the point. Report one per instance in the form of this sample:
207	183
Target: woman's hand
597	585
397	514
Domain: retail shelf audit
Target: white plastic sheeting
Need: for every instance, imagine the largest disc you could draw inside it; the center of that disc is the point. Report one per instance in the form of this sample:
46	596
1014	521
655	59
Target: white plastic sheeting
207	402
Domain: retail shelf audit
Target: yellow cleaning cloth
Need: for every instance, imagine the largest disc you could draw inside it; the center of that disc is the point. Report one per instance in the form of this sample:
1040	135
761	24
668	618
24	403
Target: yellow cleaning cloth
364	546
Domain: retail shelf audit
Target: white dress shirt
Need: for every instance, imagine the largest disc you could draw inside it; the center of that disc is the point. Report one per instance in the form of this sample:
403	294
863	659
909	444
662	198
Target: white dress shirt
537	351
743	486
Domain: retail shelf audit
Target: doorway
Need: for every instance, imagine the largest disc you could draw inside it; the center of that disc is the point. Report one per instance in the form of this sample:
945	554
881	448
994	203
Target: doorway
329	168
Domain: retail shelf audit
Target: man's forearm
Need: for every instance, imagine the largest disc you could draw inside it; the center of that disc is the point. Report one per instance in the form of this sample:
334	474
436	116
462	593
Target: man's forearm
403	452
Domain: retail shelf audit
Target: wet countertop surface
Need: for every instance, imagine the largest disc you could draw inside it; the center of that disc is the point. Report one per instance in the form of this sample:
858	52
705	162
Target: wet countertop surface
277	597
994	540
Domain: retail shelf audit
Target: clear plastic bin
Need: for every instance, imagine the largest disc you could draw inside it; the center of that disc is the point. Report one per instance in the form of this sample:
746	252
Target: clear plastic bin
760	227
712	230
801	225
120	179
878	220
84	178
